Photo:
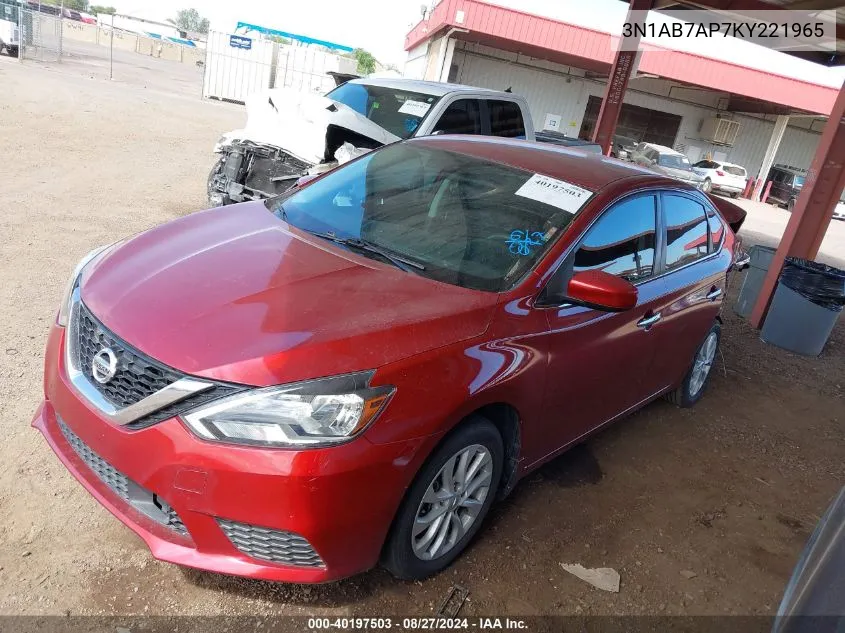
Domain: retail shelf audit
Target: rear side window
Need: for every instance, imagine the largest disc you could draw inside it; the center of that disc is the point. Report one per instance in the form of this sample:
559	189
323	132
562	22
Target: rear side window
686	231
622	242
461	117
506	119
734	170
717	230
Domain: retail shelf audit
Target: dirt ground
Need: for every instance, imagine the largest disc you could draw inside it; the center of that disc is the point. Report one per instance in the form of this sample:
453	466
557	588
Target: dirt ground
702	511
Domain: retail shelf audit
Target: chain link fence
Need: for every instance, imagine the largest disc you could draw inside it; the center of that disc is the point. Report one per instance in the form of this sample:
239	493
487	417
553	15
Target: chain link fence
41	36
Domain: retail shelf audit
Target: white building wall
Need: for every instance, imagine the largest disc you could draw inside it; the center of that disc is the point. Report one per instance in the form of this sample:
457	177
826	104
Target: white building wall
416	62
556	89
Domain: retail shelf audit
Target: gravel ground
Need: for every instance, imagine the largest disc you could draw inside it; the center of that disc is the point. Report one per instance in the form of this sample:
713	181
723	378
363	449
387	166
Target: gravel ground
702	511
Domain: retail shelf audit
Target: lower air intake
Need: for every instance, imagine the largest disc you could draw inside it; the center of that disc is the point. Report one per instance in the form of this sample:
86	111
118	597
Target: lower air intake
276	546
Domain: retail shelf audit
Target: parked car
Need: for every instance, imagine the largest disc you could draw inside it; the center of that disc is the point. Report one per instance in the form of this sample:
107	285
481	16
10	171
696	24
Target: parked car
839	211
786	185
290	134
721	177
622	147
549	136
298	388
666	161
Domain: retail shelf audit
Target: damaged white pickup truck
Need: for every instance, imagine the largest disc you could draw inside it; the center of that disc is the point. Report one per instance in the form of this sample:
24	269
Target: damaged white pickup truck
290	134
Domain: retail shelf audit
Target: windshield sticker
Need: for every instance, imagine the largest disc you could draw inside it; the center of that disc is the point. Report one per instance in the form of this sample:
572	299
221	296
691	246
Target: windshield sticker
411	124
557	193
417	108
521	242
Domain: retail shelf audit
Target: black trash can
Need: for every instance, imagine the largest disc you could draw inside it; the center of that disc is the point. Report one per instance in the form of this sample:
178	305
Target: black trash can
808	300
761	258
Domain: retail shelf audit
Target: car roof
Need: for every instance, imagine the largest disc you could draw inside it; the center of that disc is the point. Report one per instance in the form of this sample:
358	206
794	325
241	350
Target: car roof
591	171
435	88
663	149
725	163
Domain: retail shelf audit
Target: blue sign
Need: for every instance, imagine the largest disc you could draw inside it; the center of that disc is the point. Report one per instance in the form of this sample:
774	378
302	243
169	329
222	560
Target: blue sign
239	41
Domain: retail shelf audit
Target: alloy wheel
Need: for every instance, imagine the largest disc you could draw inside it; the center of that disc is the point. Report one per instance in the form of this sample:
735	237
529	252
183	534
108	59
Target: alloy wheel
703	363
452	502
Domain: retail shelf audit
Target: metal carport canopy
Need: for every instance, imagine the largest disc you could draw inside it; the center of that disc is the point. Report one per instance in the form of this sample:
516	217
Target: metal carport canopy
573	45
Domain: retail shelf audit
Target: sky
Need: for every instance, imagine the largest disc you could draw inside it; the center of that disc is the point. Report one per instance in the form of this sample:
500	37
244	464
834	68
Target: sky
380	26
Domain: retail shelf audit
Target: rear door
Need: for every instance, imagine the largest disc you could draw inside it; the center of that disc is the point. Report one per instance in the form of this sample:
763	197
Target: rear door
504	118
694	274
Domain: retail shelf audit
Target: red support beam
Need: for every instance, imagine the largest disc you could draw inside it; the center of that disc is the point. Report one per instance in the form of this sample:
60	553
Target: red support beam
814	207
617	83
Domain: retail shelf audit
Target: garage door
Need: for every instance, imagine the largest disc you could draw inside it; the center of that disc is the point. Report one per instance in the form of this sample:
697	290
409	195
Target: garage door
640	124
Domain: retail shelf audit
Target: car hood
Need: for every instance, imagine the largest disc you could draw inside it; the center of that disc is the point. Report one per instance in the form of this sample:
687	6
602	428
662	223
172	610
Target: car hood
298	123
235	294
680	174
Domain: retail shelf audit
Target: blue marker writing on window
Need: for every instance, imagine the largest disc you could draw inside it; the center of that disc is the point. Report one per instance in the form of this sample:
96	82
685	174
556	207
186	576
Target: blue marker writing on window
521	242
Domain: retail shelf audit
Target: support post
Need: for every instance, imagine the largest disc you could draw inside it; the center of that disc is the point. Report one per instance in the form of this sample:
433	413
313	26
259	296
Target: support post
111	49
617	82
814	208
769	156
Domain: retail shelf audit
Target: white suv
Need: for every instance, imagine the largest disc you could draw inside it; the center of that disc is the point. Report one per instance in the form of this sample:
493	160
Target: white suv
719	176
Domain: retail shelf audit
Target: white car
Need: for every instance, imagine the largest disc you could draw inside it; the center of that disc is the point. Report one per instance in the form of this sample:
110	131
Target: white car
722	177
839	211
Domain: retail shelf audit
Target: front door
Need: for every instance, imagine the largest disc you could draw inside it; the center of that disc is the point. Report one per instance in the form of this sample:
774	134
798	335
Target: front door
600	362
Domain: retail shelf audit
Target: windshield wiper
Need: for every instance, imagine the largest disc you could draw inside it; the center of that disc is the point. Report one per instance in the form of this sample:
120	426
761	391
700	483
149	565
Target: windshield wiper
400	261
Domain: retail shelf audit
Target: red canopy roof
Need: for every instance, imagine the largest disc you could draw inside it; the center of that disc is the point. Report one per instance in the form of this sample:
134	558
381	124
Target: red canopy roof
585	48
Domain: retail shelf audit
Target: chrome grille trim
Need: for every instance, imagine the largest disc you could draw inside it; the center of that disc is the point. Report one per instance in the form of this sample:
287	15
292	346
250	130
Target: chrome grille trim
275	546
181	389
146	502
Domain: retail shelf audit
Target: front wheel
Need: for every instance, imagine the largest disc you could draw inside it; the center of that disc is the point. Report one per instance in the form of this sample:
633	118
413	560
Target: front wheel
707	186
692	388
446	504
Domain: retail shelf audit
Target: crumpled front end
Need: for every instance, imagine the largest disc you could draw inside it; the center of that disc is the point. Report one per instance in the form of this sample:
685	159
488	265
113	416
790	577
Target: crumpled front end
288	135
253	171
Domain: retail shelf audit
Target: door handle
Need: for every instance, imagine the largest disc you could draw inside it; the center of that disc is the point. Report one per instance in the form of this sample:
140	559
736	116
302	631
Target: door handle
647	321
714	294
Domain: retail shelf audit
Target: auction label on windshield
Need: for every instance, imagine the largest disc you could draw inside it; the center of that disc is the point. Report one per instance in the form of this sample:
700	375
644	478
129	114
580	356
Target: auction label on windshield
558	193
417	108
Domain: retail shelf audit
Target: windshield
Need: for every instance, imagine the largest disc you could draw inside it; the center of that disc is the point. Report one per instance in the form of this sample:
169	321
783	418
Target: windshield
799	182
400	112
464	220
673	161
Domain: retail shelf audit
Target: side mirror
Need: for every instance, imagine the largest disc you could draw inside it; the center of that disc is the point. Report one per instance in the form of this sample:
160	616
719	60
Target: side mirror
602	291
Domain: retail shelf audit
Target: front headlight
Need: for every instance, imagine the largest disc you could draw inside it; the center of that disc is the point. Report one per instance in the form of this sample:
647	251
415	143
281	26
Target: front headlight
306	414
64	307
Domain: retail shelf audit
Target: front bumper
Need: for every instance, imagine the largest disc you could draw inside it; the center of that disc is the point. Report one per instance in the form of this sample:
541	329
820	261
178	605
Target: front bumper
340	500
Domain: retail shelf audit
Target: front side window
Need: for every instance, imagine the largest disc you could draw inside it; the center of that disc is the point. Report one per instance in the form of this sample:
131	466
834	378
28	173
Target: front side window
400	112
622	242
505	119
461	117
463	220
686	230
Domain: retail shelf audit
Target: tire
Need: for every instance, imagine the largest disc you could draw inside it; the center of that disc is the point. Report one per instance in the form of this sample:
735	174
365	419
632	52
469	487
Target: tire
735	195
707	185
690	391
12	51
790	205
400	556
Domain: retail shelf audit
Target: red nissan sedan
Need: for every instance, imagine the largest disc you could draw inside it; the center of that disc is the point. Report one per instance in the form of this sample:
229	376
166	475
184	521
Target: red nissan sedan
352	373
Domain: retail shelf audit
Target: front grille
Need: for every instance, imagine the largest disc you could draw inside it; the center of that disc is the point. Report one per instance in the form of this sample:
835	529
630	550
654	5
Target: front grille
275	546
139	498
137	377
